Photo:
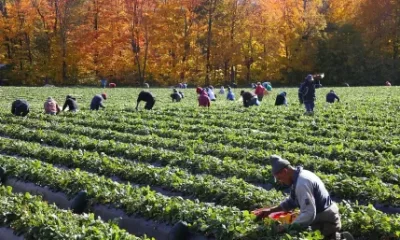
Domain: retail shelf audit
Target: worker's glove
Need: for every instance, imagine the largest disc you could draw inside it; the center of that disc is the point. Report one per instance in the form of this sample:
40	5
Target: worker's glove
262	213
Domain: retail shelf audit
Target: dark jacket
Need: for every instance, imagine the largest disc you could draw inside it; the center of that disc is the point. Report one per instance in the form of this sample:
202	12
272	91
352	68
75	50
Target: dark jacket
177	96
145	96
20	107
330	97
307	92
281	99
97	102
71	103
247	96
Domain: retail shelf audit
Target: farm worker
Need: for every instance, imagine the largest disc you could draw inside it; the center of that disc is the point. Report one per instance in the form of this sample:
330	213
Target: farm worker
230	96
267	85
176	96
388	84
20	107
204	100
331	96
199	90
146	85
307	93
222	90
309	194
71	103
97	101
146	97
260	91
281	99
249	99
211	93
103	82
51	106
112	85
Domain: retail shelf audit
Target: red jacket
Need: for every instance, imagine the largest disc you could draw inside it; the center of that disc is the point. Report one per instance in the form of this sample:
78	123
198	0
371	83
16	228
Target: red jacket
260	90
204	100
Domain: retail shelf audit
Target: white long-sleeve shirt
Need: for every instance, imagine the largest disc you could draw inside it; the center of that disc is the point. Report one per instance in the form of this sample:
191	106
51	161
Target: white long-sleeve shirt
309	194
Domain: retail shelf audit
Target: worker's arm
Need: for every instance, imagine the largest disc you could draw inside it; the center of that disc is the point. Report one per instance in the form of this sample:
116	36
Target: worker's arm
65	105
306	200
137	104
336	96
265	212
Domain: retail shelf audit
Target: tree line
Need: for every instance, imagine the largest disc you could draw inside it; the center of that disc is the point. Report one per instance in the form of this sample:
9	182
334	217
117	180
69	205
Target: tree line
165	42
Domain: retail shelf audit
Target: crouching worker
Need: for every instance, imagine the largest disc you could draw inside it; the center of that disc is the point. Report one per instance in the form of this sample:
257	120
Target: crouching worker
204	100
331	96
20	107
97	101
71	103
309	194
148	98
51	106
249	99
176	96
281	99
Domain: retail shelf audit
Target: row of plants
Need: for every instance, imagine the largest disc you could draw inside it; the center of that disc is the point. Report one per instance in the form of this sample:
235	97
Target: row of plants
229	191
269	121
32	218
215	125
286	140
221	222
342	185
385	169
212	220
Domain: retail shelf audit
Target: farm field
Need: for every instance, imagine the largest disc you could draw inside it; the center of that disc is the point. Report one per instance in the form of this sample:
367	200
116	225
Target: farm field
207	167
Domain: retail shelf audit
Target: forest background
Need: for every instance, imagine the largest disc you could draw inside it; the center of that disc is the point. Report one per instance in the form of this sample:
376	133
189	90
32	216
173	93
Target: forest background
201	42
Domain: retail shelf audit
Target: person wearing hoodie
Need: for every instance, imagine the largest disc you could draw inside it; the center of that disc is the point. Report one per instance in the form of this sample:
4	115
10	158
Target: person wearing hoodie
146	97
97	101
222	90
71	103
20	107
204	100
281	99
176	96
331	96
249	99
230	96
260	91
307	93
199	90
51	106
211	93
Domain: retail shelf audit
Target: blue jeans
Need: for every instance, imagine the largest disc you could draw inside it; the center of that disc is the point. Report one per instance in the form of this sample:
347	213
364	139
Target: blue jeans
309	106
254	102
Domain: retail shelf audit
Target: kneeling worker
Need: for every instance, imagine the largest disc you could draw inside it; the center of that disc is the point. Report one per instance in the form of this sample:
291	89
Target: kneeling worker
308	193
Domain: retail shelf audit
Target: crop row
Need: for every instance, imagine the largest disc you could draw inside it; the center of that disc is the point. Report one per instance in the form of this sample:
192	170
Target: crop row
333	115
269	121
32	218
384	169
230	191
219	221
283	139
341	185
